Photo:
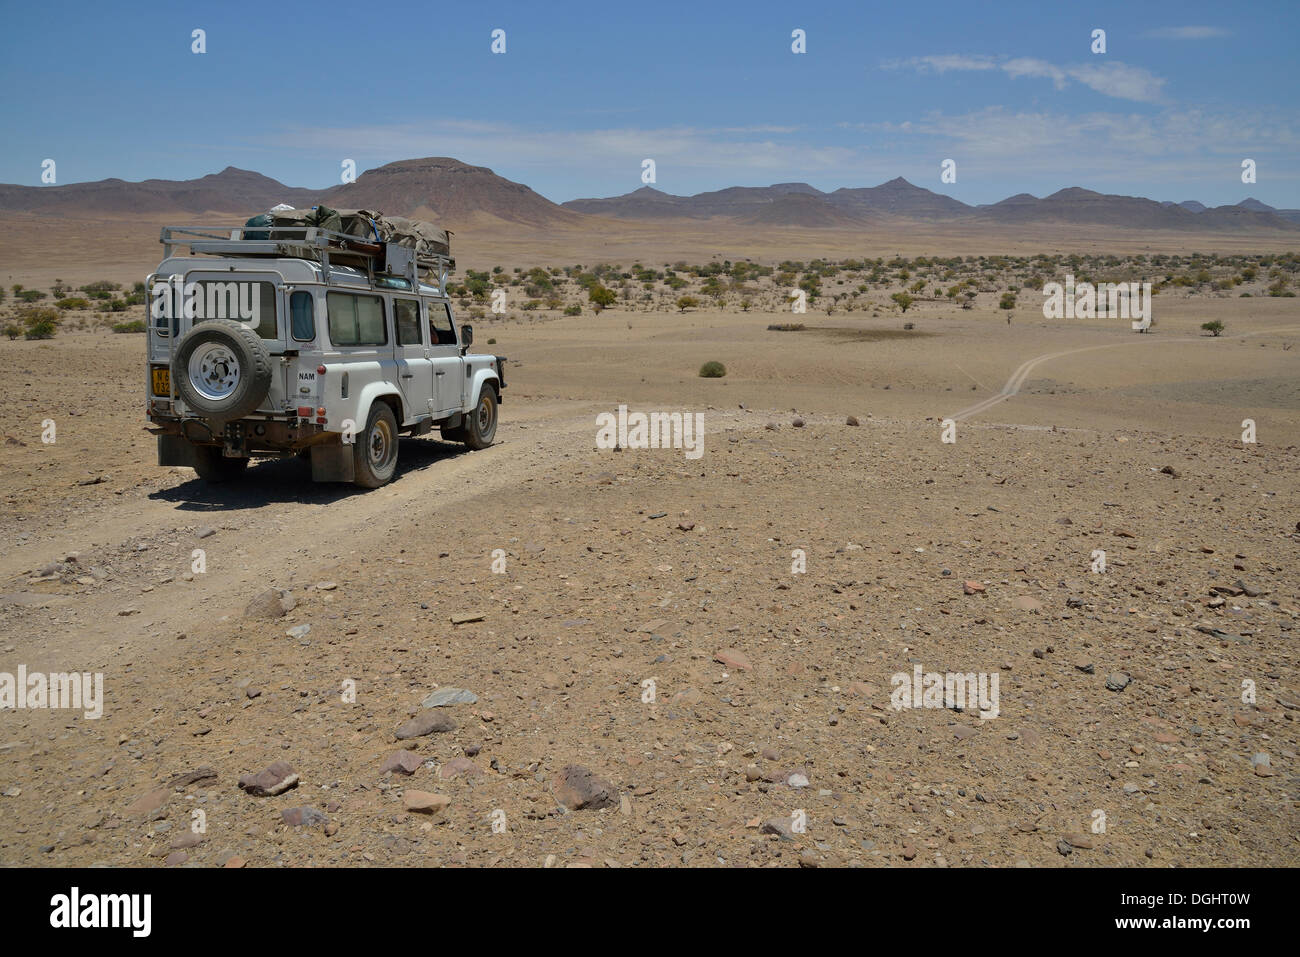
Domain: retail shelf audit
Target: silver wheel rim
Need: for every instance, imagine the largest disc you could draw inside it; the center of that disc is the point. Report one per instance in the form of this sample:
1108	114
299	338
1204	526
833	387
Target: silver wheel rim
214	371
380	443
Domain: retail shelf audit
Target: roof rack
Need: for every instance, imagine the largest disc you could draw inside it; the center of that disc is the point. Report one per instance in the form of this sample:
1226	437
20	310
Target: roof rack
309	242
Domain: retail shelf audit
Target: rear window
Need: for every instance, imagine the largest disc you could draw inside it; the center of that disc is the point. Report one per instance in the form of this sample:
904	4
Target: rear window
356	320
249	302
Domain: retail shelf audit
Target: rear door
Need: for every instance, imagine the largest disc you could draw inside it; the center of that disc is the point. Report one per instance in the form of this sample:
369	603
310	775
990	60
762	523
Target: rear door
444	353
414	367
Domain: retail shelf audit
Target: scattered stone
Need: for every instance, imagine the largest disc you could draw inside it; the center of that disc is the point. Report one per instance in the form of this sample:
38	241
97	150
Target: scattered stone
304	817
149	802
276	779
733	659
851	420
299	631
780	826
686	526
798	423
426	722
1117	681
464	618
459	767
272	603
185	840
579	789
425	802
185	779
972	588
206	531
445	696
403	762
176	858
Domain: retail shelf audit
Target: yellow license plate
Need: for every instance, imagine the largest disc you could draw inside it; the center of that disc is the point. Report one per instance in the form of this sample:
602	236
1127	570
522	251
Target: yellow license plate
162	380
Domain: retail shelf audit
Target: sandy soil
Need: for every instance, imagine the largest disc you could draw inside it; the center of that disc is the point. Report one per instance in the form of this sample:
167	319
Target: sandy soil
624	567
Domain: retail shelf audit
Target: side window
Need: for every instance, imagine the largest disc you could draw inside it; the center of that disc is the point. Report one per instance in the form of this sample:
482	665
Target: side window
356	320
302	316
440	329
406	319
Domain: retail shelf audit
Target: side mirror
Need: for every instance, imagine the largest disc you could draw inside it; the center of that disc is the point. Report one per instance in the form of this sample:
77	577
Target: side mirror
466	335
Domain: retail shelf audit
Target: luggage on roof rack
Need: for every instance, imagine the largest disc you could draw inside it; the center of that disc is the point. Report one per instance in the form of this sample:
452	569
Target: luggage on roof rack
381	245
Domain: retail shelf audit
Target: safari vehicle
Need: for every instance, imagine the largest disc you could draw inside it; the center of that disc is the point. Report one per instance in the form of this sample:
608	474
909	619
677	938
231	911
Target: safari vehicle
307	341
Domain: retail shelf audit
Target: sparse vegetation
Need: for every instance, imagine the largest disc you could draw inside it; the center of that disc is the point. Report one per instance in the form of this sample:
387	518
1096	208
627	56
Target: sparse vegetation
133	325
1214	327
712	370
40	322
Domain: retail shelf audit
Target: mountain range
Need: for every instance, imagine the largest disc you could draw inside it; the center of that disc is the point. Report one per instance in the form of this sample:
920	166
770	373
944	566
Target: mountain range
453	193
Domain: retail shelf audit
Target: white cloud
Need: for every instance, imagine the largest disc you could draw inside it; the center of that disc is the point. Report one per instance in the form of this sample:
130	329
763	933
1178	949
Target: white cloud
1111	78
1188	33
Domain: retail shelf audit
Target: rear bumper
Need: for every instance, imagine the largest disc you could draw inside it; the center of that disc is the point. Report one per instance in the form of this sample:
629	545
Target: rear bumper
270	436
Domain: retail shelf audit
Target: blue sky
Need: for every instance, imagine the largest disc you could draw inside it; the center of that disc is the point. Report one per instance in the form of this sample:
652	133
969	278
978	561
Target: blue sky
711	91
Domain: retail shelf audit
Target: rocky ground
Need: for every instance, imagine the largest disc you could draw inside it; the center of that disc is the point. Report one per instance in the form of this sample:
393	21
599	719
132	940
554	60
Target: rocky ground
548	654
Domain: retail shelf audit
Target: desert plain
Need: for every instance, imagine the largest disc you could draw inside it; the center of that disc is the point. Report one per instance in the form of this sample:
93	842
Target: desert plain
662	661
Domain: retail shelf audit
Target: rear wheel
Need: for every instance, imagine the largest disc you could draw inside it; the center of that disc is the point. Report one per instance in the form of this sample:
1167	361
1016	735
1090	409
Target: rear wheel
375	450
212	466
481	424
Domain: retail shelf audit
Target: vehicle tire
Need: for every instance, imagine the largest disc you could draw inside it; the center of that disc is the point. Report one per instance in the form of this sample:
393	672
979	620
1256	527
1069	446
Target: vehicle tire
212	466
481	424
374	452
221	370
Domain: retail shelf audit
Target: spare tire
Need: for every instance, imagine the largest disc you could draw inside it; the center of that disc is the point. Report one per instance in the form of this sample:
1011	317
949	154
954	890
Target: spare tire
221	370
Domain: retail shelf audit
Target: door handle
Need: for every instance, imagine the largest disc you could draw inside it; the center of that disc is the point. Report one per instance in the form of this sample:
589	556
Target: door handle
440	372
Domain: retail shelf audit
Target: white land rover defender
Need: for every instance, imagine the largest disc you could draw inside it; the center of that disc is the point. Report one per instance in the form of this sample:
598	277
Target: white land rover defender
281	341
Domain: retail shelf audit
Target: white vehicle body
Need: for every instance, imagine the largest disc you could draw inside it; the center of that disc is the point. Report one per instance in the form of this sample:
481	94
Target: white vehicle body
340	340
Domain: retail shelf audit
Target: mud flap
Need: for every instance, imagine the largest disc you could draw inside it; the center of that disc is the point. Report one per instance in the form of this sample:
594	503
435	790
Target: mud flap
332	463
176	450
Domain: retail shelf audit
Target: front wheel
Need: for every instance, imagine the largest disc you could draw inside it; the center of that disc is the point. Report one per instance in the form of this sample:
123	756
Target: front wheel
481	424
374	454
212	466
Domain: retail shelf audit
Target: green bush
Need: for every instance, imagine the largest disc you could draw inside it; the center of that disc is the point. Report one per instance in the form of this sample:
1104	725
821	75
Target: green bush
41	322
134	325
712	370
785	326
12	331
1214	327
602	297
1008	301
31	295
74	302
574	310
686	302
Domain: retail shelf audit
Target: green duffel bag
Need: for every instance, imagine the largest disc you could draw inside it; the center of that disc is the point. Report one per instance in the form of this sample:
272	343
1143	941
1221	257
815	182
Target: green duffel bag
263	221
325	218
